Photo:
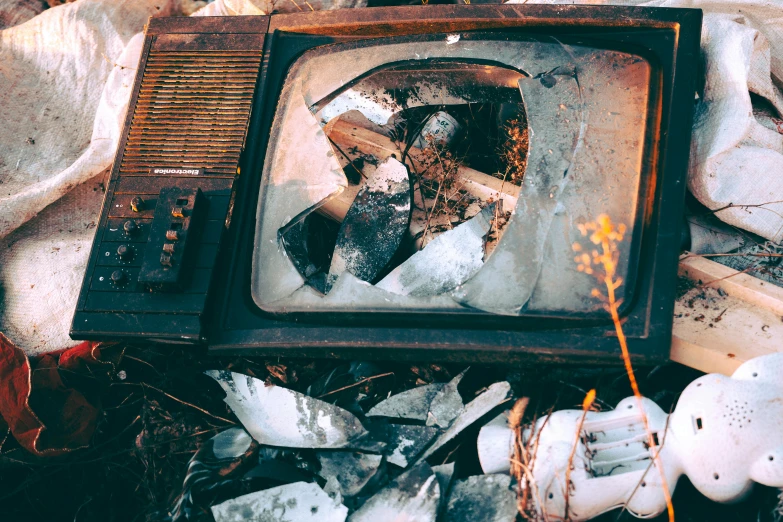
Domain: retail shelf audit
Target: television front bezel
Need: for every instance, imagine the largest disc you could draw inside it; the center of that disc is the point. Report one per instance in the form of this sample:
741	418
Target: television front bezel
235	324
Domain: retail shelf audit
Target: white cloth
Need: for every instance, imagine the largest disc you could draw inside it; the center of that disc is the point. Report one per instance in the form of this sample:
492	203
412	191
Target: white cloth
64	88
14	12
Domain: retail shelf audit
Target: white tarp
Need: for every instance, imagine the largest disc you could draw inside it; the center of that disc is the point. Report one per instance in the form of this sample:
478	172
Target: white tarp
65	80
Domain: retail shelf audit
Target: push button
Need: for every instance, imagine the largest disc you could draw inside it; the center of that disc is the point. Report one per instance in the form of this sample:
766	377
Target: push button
137	204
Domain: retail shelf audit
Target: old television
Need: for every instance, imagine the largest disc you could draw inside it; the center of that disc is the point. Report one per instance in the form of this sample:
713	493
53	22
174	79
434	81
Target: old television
401	182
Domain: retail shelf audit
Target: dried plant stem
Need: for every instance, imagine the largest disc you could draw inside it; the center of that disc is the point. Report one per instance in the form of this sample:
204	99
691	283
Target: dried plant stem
524	459
202	410
586	405
611	282
357	383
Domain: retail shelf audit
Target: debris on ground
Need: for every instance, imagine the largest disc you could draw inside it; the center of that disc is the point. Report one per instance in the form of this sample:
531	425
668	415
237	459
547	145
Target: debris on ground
297	502
353	470
414	495
166	446
484	497
413	404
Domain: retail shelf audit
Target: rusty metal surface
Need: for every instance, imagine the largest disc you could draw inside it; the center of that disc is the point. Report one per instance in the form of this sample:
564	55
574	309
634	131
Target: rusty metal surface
191	111
392	21
209	24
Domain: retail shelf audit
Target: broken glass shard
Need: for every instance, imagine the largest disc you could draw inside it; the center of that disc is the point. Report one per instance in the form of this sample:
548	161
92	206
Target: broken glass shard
375	224
488	498
446	262
411	404
553	104
297	502
444	473
407	441
353	470
495	395
447	404
280	417
414	496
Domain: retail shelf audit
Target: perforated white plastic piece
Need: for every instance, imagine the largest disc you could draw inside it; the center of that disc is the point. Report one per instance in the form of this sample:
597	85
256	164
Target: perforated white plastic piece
725	434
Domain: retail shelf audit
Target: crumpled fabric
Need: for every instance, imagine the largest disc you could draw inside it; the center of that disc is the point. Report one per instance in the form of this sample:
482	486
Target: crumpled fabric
59	70
14	12
45	416
65	80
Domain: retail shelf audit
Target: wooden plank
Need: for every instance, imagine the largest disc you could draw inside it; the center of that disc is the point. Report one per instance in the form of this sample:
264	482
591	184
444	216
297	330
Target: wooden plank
727	318
347	136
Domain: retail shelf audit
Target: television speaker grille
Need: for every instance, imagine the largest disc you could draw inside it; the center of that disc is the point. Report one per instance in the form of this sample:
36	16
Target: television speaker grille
192	111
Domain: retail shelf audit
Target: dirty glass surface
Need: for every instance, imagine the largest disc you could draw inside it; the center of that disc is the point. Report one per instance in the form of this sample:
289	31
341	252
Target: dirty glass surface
449	173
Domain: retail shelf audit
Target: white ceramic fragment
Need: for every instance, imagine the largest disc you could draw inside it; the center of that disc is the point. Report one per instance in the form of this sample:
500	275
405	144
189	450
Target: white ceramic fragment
445	263
495	445
732	428
488	498
414	496
280	417
725	434
353	470
474	410
407	441
411	404
297	502
447	404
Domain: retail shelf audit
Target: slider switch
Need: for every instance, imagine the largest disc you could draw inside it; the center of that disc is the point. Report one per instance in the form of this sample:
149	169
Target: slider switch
174	233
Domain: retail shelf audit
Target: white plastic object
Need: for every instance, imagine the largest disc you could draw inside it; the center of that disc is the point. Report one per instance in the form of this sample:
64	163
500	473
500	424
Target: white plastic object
725	434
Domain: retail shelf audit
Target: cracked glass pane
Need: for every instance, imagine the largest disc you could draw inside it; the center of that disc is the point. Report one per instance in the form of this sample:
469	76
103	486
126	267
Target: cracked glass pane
451	173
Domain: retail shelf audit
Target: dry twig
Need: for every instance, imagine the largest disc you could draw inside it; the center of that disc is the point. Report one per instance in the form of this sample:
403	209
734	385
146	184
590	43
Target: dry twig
606	235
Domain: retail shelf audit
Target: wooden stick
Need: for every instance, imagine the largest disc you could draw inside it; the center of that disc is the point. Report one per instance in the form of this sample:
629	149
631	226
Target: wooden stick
740	318
348	136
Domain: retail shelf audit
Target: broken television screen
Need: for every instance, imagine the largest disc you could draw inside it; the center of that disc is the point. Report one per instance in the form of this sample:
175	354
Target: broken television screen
453	173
